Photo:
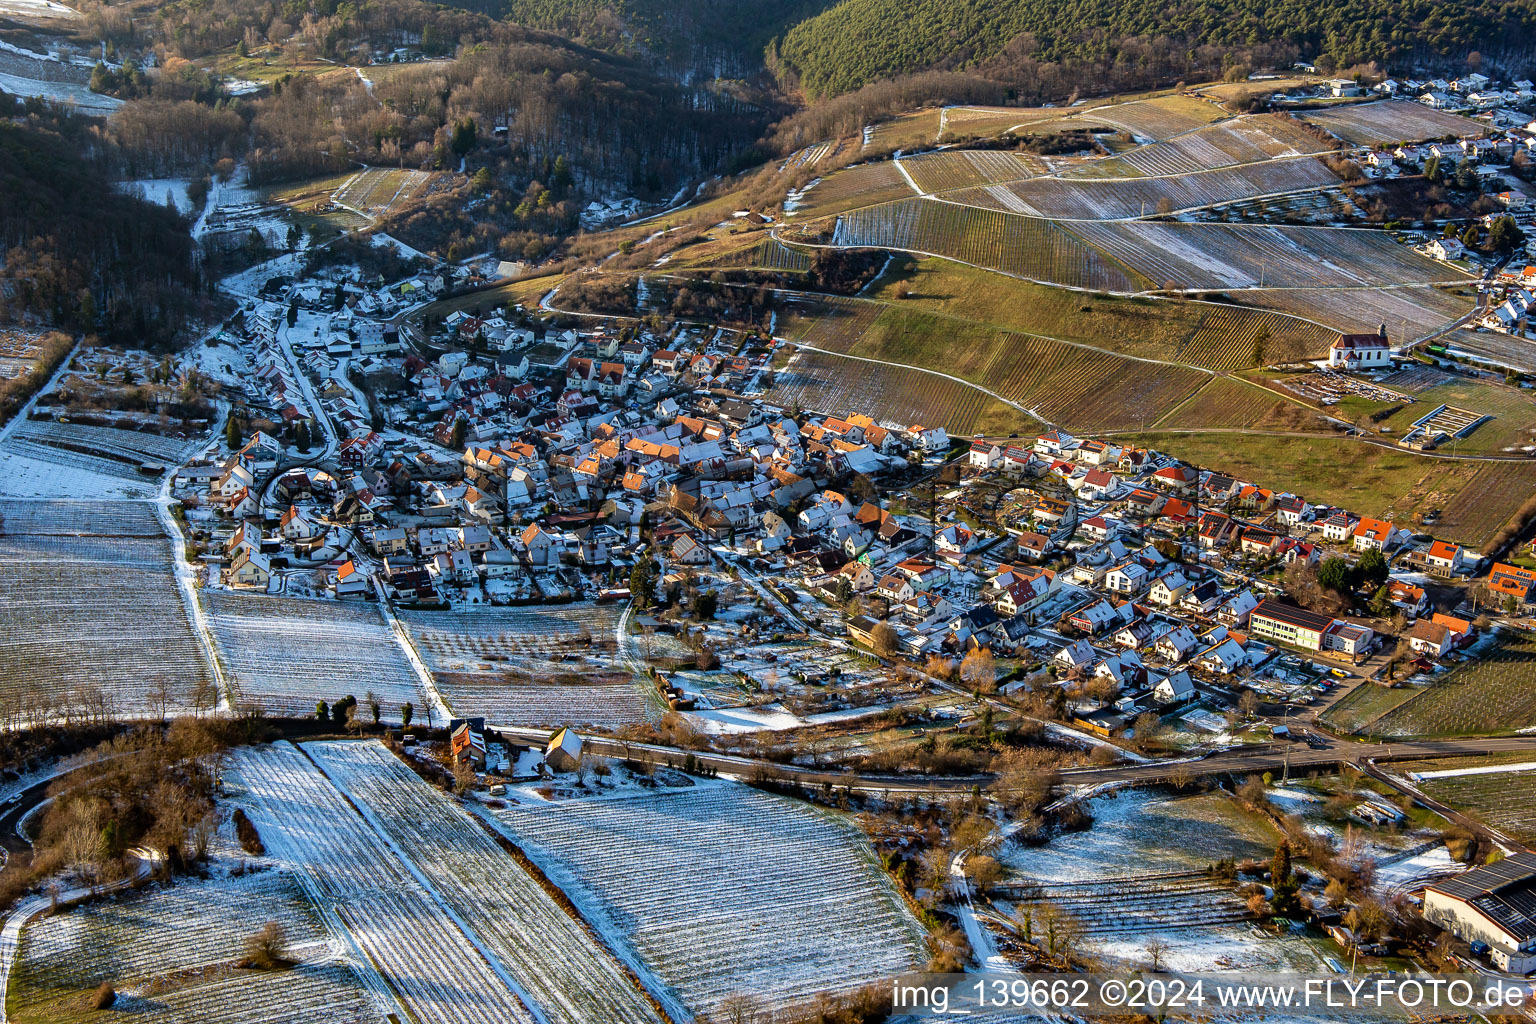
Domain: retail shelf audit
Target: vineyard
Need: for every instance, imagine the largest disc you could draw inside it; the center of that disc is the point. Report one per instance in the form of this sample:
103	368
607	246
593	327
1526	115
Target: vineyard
982	122
400	931
1391	121
963	168
773	898
1231	337
285	653
861	185
1409	313
1227	402
92	622
1242	140
1503	800
377	190
518	926
1199	256
123	941
1133	906
1487	501
898	394
1109	199
1020	246
1496	693
130	447
1493	347
1159	118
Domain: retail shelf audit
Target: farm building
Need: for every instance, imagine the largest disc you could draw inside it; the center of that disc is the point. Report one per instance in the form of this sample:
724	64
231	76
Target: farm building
1496	905
564	751
466	739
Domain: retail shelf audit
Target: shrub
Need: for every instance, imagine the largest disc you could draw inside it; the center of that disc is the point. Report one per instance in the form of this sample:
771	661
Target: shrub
245	830
267	949
104	996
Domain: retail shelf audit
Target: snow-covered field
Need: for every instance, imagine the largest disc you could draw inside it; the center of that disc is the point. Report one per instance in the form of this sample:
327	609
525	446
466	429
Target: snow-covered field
91	605
70	93
287	653
517	925
160	191
394	925
722	889
37	9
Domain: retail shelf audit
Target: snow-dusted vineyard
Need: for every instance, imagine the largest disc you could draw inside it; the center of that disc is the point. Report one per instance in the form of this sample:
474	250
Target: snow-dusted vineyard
1242	140
92	618
514	702
285	654
122	940
1110	198
548	953
364	890
499	662
1195	256
723	889
1391	121
1152	903
130	447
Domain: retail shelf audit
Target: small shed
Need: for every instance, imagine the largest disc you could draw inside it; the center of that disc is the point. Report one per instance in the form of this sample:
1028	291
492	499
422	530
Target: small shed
564	751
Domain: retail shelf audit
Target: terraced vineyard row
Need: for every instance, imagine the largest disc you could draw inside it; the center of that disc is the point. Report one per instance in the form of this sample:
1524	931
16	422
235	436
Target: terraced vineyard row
79	518
518	925
1249	139
1219	256
960	168
897	394
130	446
1409	313
1107	199
1022	246
781	900
364	889
286	653
1231	338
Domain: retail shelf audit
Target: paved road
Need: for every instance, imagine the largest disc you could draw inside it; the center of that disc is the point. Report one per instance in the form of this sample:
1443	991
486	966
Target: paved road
1244	761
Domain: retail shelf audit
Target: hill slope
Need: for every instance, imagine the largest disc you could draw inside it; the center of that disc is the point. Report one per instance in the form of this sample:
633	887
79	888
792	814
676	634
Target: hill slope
860	41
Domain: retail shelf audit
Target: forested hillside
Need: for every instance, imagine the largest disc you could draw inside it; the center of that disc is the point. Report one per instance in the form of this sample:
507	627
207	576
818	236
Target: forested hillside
1041	44
78	253
713	38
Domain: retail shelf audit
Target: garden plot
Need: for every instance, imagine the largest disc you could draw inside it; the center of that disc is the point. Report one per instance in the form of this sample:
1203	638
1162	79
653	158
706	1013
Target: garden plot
1149	849
1364	124
766	896
411	945
1026	247
287	653
1200	256
1114	198
123	940
547	952
375	191
92	615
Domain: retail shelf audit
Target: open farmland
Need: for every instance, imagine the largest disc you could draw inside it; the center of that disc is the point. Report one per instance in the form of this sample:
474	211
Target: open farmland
1200	256
1025	247
1496	693
550	956
398	930
92	621
122	941
551	665
1366	124
1505	800
286	653
775	899
1110	199
982	122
